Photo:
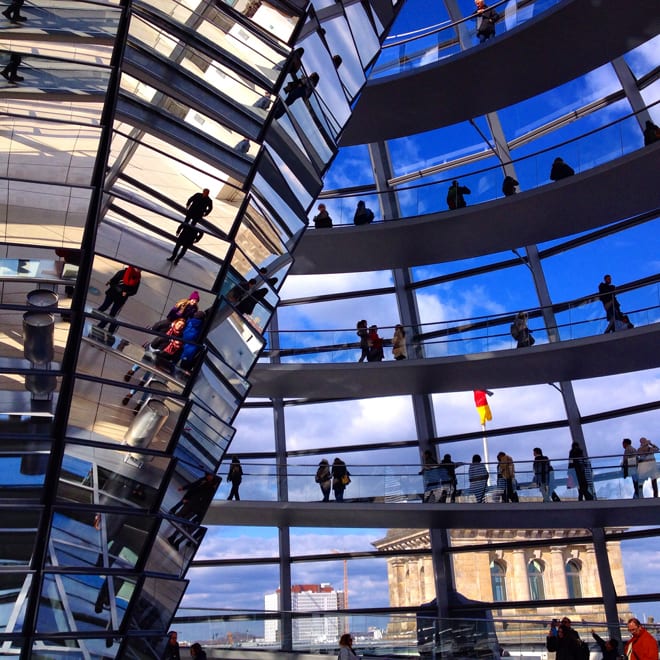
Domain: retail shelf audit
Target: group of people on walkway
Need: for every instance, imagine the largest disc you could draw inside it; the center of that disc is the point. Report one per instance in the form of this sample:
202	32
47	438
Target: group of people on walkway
371	343
363	216
565	642
336	478
640	465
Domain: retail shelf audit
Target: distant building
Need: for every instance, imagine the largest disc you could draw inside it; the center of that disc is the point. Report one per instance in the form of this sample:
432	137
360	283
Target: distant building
307	598
565	568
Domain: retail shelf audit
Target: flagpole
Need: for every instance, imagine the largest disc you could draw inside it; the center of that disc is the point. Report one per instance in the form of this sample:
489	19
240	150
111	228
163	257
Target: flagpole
486	459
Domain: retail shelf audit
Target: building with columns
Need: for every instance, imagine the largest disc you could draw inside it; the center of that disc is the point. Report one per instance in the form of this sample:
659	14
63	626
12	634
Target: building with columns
563	567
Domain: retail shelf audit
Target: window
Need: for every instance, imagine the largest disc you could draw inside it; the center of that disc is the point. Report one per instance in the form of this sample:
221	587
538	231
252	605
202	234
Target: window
573	569
535	570
497	580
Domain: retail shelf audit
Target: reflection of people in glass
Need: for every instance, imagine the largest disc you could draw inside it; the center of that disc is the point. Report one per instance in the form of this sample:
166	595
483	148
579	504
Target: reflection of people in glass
13	12
121	286
10	72
193	505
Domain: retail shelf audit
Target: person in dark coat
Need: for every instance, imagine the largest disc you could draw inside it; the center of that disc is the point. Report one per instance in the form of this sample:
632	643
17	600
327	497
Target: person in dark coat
612	307
322	219
197	652
171	651
187	235
455	199
560	170
509	186
198	496
609	648
486	19
121	286
323	478
578	463
566	643
198	206
340	474
651	133
363	215
234	477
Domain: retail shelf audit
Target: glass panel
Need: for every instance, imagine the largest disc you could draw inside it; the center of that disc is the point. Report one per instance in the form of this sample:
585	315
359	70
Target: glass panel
19	530
236	342
156	603
72	602
212	393
22	473
13	586
203	439
78	538
109	477
97	413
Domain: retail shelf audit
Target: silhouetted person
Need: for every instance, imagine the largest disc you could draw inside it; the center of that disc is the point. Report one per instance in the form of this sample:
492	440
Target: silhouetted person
520	332
243	146
629	465
234	477
340	478
609	648
187	235
486	19
10	72
651	133
198	206
560	170
322	219
13	12
363	214
301	89
171	651
263	102
612	308
455	199
578	463
509	186
198	496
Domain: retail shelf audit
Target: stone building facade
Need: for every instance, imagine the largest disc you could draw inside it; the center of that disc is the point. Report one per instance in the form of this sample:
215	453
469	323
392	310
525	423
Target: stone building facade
564	568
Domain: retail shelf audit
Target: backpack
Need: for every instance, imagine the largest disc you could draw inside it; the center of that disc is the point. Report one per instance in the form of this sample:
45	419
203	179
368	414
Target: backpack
370	215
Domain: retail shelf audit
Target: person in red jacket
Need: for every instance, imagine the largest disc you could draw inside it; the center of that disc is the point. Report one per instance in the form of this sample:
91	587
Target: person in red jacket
642	645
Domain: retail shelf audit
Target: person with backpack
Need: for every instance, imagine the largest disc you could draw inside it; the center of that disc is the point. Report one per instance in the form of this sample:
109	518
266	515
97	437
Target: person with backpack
363	215
455	199
520	332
